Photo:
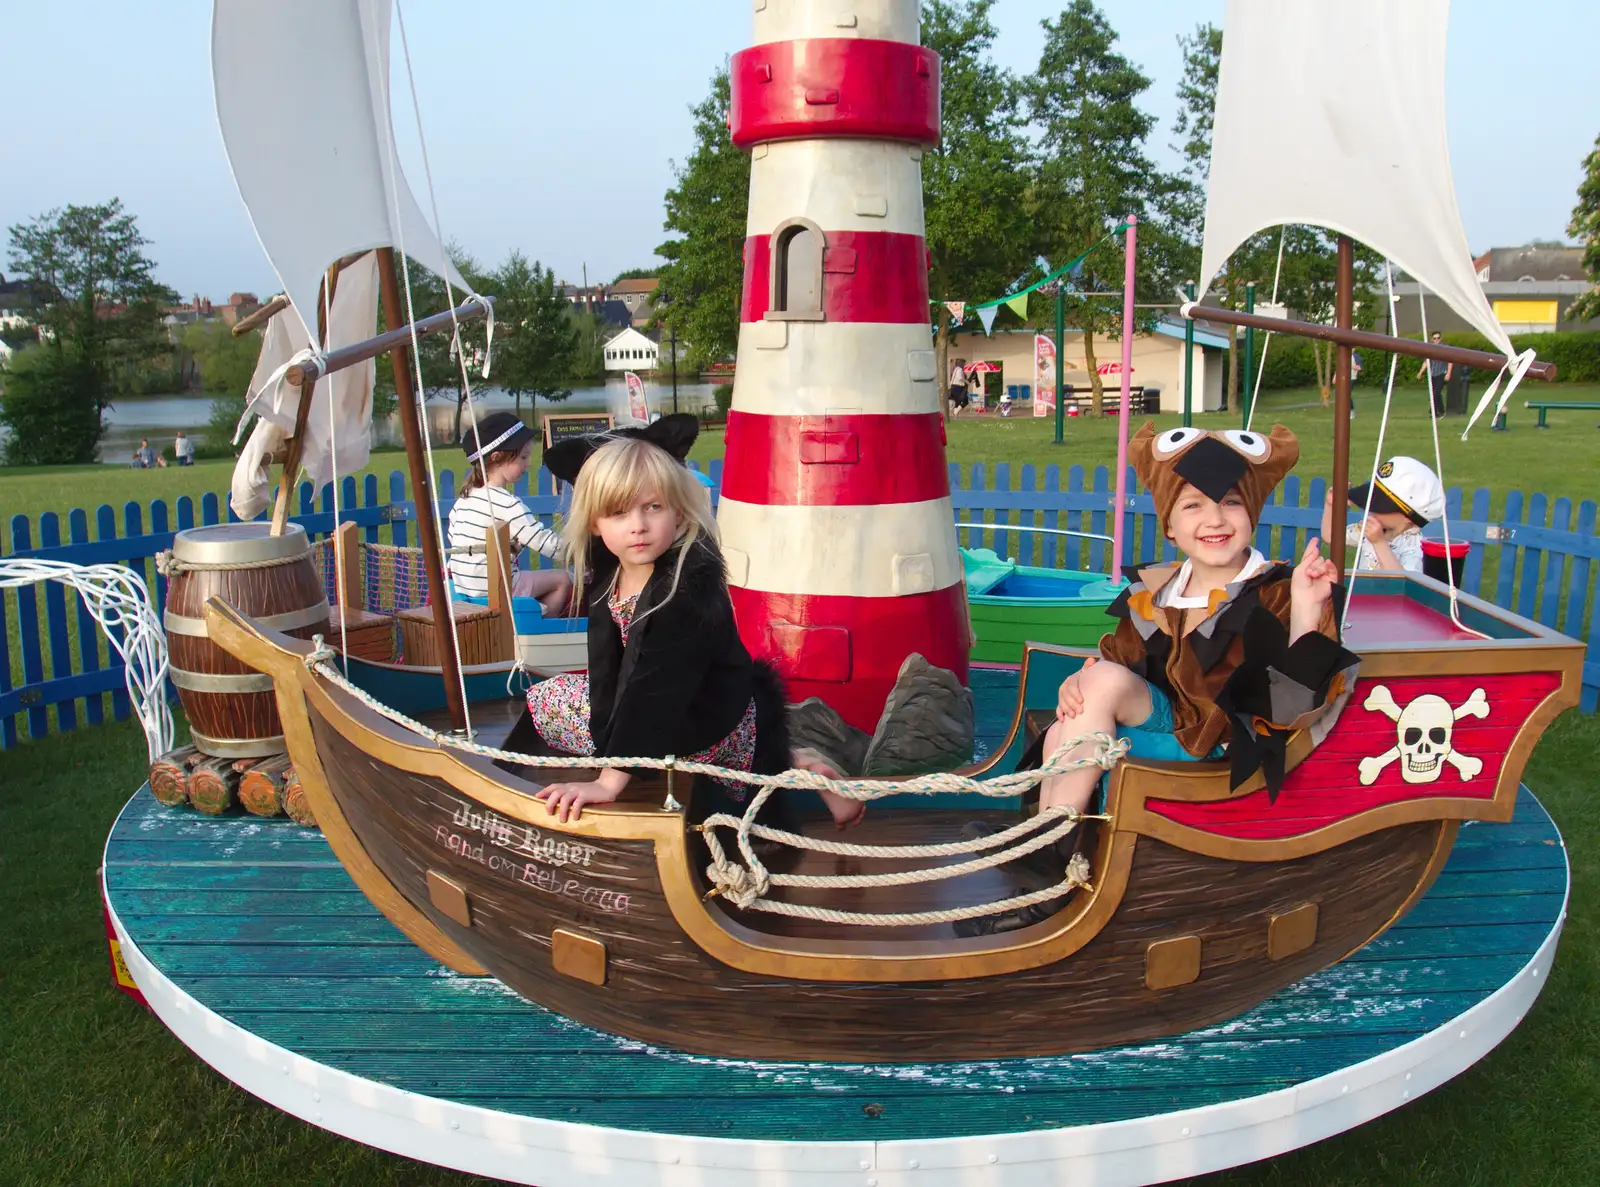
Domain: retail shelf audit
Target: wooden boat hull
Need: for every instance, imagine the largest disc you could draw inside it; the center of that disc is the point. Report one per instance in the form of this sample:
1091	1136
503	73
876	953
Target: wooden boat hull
1205	899
525	883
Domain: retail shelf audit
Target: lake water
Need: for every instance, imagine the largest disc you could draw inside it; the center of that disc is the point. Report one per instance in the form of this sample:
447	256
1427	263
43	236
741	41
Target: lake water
160	417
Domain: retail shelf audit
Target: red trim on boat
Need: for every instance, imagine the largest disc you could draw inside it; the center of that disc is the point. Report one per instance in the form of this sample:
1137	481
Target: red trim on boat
1387	618
835	461
1327	787
867	276
834	86
848	651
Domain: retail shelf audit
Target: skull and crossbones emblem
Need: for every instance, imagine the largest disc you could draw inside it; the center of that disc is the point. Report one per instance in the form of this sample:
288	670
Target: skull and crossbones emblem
1424	736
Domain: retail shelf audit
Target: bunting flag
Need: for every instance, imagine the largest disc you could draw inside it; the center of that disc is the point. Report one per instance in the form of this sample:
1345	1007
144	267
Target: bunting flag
1018	301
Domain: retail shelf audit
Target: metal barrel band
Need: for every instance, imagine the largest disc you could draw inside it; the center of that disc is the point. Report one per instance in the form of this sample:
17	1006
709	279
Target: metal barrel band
220	682
292	620
238	747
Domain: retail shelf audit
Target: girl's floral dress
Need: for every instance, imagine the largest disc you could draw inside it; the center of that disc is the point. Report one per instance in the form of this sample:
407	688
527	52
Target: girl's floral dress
559	707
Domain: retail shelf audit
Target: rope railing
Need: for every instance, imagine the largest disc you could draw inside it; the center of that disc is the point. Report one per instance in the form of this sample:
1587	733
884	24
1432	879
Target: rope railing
747	885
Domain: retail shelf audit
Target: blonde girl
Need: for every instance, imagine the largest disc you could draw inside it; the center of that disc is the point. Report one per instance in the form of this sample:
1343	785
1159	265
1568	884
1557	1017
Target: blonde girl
668	673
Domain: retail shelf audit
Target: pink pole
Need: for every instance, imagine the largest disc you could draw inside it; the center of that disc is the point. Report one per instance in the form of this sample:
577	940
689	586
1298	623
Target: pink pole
1122	413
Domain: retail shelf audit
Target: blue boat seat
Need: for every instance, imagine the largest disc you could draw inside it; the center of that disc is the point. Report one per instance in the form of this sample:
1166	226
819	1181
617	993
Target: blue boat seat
527	616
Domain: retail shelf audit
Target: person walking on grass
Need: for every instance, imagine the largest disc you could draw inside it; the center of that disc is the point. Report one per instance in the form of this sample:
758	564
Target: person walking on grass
183	449
1438	372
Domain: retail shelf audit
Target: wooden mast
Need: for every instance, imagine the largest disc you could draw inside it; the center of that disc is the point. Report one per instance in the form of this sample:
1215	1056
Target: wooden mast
421	489
1343	318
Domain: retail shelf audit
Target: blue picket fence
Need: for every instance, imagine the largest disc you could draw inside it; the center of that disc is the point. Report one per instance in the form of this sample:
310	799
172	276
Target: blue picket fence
1537	558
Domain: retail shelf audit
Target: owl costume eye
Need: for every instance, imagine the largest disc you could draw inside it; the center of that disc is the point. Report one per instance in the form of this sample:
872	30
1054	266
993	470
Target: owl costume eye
1174	441
1253	445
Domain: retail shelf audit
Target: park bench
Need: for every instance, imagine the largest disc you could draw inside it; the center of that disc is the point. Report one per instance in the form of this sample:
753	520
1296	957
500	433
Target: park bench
1543	407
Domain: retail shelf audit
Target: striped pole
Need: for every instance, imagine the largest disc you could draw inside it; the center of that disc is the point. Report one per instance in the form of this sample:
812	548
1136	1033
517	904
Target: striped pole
835	512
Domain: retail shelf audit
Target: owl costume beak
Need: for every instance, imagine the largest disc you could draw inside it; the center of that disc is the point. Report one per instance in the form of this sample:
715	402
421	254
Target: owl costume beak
1211	468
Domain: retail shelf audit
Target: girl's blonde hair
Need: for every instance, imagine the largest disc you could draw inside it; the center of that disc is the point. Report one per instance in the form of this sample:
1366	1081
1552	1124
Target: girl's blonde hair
615	475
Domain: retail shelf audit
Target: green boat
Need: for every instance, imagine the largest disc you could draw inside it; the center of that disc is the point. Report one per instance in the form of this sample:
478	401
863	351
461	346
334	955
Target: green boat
1014	604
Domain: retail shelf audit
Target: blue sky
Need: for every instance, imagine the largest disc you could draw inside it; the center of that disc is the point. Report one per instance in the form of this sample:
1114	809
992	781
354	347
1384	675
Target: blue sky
551	127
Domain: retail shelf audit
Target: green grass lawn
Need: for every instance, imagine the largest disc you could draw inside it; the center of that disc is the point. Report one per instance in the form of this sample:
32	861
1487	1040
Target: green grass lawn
1558	461
95	1090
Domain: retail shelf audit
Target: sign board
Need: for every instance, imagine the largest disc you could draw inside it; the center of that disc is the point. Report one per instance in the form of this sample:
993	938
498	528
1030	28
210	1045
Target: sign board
1044	376
577	424
638	406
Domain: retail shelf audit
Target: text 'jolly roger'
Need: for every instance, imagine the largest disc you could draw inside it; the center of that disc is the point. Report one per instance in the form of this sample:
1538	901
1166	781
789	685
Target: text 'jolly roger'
1424	736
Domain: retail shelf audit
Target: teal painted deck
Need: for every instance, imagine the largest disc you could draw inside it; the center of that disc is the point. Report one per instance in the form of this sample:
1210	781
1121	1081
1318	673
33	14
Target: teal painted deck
259	922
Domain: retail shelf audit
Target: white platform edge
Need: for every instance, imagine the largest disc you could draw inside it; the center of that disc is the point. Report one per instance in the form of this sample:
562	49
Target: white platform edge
565	1154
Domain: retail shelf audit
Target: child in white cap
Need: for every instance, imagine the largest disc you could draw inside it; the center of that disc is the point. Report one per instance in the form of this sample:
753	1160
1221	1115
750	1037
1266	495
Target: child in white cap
1406	497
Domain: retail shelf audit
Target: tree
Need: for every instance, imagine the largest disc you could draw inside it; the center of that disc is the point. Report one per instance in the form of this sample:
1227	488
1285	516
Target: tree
1585	226
1083	99
1197	102
637	274
225	363
102	306
536	336
703	279
975	180
42	403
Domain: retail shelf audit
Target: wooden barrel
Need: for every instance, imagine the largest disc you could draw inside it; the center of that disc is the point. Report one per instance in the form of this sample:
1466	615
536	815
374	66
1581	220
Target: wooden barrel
231	707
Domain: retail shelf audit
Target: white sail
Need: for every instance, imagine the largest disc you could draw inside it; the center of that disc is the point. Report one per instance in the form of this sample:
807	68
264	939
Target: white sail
1331	113
302	91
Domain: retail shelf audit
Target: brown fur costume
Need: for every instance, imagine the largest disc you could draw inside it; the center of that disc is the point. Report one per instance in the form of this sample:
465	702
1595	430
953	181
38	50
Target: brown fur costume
1229	668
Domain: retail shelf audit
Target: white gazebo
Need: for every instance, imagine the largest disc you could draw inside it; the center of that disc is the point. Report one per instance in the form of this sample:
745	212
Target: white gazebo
632	351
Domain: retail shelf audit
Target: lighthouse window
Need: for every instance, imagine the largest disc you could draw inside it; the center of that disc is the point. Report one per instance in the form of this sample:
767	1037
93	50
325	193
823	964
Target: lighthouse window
796	293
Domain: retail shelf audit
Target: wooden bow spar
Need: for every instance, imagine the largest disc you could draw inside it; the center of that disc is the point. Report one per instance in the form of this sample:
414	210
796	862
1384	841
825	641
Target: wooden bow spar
396	342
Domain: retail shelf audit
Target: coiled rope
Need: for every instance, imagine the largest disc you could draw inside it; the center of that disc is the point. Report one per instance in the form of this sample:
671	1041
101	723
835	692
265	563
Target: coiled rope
117	599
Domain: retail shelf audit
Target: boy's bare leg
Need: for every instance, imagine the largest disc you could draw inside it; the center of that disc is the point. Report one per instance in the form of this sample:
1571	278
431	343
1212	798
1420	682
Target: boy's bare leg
1112	696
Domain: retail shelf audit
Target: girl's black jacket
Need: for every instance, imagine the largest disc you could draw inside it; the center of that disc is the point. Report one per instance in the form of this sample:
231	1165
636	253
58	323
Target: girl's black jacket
684	679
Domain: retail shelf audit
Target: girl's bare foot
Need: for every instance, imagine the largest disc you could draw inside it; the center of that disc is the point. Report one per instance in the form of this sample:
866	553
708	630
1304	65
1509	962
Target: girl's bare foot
846	813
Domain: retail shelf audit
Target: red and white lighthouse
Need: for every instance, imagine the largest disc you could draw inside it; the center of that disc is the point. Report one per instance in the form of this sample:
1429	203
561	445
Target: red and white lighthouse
835	512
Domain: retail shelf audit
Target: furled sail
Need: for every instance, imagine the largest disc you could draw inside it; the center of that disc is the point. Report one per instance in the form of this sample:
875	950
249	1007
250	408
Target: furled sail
1331	113
337	442
302	91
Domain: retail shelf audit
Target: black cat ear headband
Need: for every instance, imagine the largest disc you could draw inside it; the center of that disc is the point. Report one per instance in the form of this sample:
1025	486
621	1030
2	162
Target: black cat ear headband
675	433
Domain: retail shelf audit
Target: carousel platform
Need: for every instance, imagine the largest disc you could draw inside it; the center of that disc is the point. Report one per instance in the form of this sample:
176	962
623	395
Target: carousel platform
253	946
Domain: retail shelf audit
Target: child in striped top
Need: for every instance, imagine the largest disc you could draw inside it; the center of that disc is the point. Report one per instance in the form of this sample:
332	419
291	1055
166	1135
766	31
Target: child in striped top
498	451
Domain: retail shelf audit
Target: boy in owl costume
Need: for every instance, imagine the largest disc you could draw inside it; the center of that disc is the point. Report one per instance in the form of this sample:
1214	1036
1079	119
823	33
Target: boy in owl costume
1222	654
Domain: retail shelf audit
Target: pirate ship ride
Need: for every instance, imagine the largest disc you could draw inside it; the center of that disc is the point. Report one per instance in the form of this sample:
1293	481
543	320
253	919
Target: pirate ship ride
1200	898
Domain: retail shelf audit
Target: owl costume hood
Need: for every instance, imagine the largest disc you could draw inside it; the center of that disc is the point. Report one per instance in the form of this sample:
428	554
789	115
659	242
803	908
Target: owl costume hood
1214	463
